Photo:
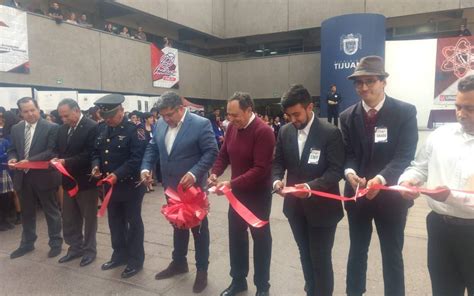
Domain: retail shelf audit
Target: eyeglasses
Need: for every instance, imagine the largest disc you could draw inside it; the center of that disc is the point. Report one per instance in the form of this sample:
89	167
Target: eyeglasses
369	82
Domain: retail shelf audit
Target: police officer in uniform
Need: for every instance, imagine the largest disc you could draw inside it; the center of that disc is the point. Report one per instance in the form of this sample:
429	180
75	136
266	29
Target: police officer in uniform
117	156
333	99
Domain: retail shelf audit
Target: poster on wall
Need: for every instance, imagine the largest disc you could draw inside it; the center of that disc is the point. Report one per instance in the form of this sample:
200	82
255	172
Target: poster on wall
164	65
13	41
454	61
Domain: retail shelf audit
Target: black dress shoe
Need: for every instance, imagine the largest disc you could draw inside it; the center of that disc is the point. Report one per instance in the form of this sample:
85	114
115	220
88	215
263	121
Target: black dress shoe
173	269
130	271
53	252
86	260
69	257
234	288
262	293
21	251
112	264
200	283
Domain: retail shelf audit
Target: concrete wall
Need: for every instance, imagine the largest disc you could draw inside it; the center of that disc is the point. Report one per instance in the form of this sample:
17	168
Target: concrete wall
87	59
270	77
238	18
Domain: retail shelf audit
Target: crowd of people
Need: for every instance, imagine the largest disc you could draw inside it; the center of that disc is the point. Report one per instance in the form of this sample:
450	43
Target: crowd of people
303	161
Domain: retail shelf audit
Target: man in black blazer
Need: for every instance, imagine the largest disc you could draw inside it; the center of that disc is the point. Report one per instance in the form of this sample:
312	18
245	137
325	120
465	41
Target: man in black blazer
74	146
34	139
312	153
380	135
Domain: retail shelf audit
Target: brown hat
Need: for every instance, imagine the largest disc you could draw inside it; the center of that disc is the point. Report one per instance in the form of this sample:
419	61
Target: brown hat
368	66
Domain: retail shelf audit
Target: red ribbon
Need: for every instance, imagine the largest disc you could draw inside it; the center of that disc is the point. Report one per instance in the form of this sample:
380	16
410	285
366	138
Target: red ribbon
44	165
105	202
243	212
363	192
185	209
59	166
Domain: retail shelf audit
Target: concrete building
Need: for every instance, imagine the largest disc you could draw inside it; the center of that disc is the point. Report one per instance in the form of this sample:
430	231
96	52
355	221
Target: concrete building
259	46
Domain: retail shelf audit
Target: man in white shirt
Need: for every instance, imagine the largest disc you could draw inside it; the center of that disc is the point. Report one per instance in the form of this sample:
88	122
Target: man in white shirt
185	144
446	161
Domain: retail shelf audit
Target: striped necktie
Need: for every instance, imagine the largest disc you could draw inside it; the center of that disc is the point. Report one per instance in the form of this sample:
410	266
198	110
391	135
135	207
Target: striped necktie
27	140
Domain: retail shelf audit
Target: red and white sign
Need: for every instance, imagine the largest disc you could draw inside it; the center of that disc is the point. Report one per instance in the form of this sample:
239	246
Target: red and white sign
164	65
13	41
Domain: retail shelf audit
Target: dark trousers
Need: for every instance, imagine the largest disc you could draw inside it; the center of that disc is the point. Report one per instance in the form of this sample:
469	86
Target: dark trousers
450	256
28	195
315	247
80	212
239	248
201	244
333	114
5	204
390	229
127	231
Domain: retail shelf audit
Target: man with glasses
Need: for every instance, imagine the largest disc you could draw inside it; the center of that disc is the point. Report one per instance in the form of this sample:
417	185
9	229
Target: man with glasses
380	135
185	144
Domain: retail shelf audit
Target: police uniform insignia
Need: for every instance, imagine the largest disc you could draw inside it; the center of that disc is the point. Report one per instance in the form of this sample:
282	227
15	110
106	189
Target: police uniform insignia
141	134
121	138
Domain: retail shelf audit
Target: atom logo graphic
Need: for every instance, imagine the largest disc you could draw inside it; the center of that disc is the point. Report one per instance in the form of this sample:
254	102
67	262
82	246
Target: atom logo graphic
459	59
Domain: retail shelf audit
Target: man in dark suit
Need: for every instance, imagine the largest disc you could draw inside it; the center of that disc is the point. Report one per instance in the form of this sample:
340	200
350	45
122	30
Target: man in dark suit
117	153
34	139
74	146
312	153
380	135
187	148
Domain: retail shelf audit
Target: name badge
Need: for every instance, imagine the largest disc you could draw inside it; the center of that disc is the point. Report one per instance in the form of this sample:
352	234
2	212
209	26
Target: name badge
381	135
314	156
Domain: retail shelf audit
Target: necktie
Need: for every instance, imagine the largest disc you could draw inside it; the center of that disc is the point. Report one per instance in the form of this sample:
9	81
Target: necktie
69	134
372	114
27	140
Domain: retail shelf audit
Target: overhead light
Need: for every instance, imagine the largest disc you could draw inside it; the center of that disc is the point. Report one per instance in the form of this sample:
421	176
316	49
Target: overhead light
259	50
273	52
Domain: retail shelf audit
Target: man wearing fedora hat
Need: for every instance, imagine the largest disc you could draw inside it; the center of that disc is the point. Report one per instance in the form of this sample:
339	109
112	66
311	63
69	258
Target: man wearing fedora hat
380	135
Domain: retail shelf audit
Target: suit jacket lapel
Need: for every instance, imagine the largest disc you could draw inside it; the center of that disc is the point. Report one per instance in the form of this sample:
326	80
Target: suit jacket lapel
360	126
182	131
21	153
77	130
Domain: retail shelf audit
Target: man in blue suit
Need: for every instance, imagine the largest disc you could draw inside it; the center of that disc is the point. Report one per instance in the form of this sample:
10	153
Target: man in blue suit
187	149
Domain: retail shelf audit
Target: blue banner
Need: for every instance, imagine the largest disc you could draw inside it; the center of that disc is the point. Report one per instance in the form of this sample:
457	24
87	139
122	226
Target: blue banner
345	40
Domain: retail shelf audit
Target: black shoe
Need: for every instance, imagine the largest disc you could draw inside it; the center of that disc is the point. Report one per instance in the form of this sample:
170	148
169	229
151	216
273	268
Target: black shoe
21	251
112	264
234	288
262	293
86	260
173	269
69	257
130	271
53	252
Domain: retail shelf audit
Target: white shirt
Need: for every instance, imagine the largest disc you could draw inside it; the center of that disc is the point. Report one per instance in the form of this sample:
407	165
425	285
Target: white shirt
172	133
303	135
171	136
32	129
252	118
447	159
74	127
367	108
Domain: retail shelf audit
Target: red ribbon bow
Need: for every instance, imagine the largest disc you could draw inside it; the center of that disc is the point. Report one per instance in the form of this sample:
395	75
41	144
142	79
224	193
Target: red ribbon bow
185	209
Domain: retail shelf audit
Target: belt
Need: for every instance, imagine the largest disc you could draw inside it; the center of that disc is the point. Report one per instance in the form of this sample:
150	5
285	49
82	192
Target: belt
456	221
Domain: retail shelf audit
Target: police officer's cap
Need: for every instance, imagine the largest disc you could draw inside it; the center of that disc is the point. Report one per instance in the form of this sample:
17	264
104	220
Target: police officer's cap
109	104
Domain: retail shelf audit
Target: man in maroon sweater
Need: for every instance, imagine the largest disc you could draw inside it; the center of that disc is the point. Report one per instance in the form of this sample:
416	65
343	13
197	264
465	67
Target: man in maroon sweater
248	148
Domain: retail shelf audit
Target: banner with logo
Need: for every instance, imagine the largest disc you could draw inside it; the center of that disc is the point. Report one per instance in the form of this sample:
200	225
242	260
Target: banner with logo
454	61
345	40
13	41
164	65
